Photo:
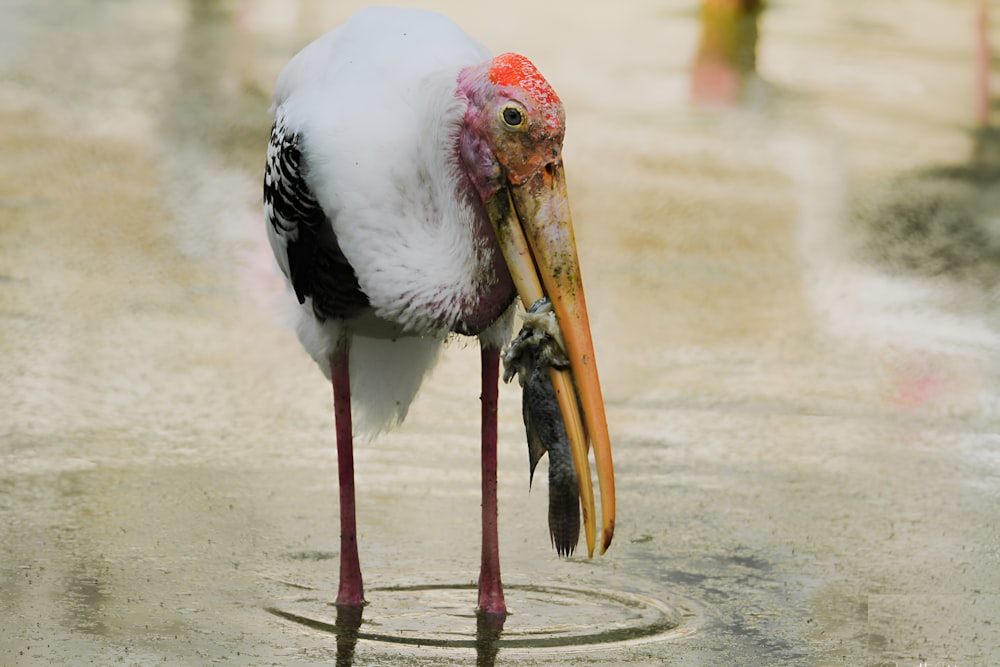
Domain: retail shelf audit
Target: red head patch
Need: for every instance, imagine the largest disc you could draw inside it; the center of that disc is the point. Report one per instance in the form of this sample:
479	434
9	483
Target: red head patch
511	69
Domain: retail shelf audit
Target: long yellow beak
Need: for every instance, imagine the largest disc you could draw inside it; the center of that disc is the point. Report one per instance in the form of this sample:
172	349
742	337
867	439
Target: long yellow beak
533	225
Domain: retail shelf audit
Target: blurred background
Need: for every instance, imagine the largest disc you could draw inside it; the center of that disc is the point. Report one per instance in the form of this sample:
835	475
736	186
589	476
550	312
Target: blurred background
788	217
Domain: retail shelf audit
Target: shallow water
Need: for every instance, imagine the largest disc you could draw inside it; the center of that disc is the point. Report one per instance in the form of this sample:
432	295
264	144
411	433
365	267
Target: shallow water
789	232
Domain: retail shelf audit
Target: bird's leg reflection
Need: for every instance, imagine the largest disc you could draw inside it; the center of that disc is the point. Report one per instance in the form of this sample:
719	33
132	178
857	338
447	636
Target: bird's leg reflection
347	627
489	627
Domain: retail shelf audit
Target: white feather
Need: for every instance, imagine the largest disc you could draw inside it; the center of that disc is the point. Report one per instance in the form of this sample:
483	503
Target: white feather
385	373
375	103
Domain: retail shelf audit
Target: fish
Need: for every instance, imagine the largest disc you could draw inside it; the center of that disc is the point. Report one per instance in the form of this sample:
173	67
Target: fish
535	349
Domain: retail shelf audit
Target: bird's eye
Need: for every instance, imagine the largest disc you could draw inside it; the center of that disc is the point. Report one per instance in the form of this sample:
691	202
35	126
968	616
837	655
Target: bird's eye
512	116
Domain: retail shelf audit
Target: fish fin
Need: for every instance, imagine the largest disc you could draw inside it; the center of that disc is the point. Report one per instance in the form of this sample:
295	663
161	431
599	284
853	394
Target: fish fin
536	448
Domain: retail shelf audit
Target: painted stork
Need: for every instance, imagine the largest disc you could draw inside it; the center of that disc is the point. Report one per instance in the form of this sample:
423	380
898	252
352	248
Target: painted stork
413	190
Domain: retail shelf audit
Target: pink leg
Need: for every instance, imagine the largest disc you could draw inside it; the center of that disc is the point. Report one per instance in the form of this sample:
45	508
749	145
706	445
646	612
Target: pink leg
351	592
491	599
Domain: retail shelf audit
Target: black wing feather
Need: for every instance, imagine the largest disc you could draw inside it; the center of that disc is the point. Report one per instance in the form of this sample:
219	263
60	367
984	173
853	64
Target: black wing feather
317	266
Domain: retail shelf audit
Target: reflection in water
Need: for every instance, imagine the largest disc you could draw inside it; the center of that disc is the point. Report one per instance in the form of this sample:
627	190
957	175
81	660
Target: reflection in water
489	627
727	50
549	619
938	222
212	101
86	588
941	221
86	598
347	626
213	123
982	66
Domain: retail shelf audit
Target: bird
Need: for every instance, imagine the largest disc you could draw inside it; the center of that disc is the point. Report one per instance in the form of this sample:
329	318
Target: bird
413	191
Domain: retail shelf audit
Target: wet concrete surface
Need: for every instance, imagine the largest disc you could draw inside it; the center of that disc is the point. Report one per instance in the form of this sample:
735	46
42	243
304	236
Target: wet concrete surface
799	355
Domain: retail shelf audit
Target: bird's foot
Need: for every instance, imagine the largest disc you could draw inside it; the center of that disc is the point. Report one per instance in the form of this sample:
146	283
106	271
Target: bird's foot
539	344
350	597
491	601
